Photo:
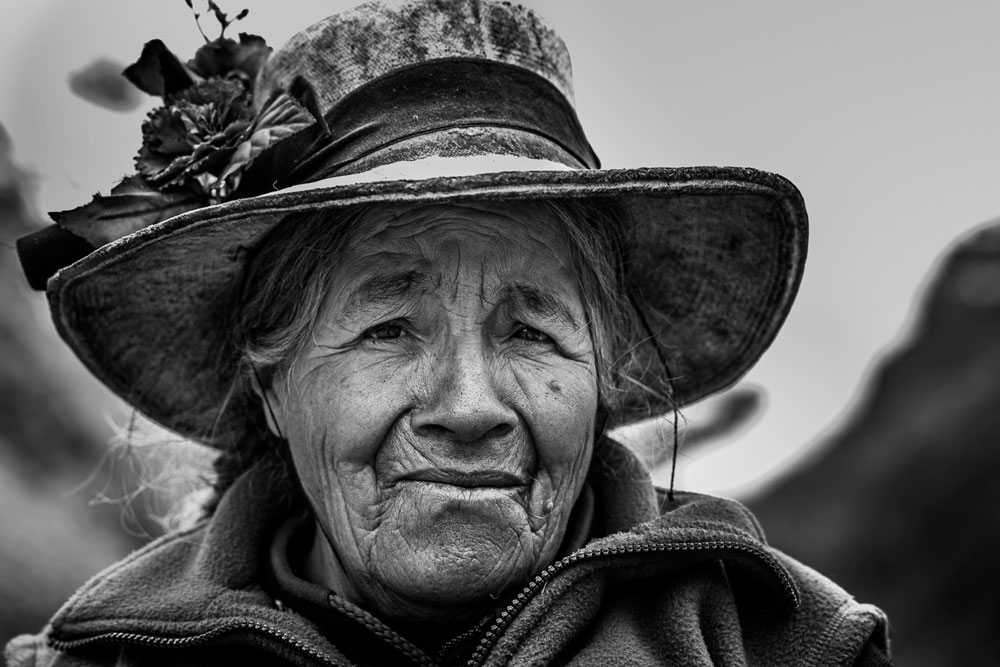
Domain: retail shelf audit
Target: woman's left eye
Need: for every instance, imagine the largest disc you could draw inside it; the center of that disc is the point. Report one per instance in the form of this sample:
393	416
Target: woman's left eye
532	335
388	331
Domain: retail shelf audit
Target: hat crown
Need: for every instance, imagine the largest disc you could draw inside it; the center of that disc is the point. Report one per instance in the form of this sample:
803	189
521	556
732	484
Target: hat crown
425	79
342	53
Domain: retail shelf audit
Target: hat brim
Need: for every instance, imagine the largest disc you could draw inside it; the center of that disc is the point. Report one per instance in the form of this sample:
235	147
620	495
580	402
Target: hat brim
716	255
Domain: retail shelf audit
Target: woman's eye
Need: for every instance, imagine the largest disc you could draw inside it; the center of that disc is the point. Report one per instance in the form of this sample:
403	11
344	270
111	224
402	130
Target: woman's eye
385	332
531	335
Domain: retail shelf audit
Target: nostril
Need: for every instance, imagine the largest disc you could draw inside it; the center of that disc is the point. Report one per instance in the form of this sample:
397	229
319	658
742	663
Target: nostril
500	430
438	432
431	431
459	430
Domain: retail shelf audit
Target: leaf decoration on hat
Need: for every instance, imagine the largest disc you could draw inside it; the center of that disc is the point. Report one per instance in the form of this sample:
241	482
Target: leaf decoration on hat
197	145
159	72
281	117
131	206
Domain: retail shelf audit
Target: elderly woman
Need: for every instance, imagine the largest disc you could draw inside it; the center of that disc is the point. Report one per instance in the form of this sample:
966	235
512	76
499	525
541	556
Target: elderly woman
409	356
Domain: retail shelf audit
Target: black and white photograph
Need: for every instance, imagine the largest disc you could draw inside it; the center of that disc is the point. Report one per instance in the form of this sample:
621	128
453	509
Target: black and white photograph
499	333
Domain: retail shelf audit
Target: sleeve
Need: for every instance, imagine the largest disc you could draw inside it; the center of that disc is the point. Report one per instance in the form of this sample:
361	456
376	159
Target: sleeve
28	651
34	651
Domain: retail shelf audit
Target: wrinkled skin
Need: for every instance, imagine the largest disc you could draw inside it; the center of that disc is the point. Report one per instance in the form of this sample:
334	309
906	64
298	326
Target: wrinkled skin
442	419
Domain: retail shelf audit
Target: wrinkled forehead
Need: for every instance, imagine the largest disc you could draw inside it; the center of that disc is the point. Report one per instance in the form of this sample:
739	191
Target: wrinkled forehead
500	251
485	226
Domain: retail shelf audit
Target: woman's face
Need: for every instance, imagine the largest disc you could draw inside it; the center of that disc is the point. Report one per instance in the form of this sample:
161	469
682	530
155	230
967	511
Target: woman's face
441	420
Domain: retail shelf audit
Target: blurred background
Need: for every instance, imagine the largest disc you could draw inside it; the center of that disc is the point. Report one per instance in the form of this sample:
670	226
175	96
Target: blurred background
867	437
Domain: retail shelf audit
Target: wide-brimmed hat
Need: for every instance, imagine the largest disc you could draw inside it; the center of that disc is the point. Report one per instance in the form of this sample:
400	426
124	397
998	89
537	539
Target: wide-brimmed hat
425	102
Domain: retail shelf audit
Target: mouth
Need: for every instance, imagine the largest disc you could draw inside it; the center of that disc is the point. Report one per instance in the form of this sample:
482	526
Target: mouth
467	479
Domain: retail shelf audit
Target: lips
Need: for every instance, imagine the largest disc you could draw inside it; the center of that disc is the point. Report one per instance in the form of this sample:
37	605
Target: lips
467	479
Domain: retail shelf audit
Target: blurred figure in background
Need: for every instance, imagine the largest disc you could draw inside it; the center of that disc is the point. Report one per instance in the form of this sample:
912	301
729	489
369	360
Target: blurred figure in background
902	503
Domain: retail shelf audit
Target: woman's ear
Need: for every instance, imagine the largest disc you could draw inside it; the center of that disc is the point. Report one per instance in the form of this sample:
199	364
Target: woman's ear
267	399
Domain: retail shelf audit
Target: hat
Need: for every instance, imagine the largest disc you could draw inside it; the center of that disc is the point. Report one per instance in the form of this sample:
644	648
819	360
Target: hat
424	102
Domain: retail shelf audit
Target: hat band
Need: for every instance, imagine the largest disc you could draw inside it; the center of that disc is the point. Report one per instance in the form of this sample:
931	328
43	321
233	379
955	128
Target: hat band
419	100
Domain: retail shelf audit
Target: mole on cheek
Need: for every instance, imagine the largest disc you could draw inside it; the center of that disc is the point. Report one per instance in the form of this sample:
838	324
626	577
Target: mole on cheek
555	386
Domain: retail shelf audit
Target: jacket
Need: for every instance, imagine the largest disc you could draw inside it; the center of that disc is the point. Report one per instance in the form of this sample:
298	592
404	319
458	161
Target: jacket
688	582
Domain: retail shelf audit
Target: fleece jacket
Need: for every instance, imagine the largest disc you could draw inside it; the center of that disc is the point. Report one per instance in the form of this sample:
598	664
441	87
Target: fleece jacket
687	582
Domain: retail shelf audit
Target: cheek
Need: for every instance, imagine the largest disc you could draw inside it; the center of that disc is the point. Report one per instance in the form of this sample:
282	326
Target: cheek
348	409
560	406
339	414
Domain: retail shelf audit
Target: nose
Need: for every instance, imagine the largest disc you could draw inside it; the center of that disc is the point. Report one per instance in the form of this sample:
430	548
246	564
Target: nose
462	402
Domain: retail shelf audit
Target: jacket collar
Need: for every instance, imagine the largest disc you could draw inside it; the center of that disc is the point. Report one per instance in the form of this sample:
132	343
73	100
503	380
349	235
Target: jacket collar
209	578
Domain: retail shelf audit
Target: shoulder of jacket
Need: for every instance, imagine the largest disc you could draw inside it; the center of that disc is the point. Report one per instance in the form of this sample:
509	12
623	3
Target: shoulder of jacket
839	626
169	550
34	651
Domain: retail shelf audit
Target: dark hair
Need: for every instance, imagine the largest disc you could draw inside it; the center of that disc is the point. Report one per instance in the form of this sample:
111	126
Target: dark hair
273	308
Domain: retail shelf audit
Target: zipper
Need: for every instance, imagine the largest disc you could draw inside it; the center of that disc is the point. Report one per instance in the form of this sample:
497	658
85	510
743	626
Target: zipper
449	646
195	640
491	636
537	584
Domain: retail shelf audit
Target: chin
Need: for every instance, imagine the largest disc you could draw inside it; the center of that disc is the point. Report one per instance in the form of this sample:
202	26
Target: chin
460	555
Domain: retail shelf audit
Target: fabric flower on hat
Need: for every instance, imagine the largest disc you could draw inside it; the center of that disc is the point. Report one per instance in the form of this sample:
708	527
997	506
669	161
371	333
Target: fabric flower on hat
189	142
197	144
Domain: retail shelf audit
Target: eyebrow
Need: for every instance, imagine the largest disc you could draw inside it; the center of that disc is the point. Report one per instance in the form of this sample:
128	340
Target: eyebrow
389	288
383	288
539	300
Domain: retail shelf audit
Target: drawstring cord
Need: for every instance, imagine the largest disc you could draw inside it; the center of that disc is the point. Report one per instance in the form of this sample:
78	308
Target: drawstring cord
673	460
670	389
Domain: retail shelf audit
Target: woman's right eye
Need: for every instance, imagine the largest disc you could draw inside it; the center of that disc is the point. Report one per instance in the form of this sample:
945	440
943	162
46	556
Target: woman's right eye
532	335
388	331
